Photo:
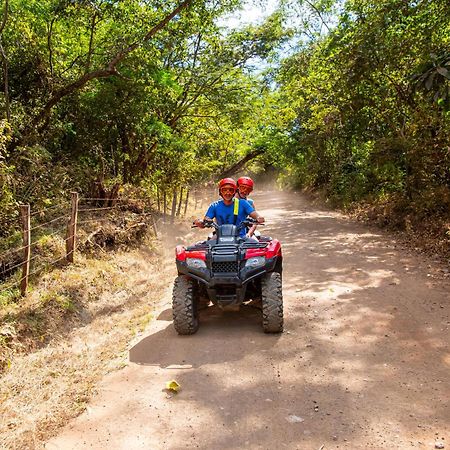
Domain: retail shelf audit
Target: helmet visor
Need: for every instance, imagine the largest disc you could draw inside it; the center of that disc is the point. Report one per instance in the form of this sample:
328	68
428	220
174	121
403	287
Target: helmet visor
245	189
227	189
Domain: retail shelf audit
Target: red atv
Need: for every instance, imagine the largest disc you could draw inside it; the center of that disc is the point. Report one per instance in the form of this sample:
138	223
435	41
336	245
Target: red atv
228	271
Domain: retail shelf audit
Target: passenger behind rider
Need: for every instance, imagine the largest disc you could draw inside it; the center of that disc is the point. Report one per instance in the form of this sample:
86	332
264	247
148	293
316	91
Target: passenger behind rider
223	211
244	188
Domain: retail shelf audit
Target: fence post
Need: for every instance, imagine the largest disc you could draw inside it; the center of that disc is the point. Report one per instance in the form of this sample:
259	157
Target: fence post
72	229
26	233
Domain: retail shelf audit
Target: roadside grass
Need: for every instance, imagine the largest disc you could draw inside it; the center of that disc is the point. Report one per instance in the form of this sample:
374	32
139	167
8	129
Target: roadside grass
71	329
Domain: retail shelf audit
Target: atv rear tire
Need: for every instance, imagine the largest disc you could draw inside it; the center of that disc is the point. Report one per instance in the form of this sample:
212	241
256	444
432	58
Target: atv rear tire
272	303
184	308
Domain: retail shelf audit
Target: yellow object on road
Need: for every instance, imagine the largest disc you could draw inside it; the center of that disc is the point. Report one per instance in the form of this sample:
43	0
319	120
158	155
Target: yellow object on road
173	386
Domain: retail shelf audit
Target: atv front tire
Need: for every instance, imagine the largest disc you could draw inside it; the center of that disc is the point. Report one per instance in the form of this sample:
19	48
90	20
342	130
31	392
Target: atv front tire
272	303
184	308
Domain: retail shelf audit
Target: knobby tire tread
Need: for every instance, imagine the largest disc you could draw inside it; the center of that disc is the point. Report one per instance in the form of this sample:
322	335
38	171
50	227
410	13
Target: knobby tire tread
185	319
272	303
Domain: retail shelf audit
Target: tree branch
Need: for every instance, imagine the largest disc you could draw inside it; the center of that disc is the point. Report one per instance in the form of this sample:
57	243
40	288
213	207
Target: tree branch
318	13
91	40
108	71
240	164
49	45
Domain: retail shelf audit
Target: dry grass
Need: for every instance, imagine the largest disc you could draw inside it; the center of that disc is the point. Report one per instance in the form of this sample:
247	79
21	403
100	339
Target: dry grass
66	334
74	326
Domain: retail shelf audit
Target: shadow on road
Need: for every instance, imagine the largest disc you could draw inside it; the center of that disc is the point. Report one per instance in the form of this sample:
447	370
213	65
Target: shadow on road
218	339
355	347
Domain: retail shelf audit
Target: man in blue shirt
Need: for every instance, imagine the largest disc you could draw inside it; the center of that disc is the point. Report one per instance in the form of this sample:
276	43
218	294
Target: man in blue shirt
229	210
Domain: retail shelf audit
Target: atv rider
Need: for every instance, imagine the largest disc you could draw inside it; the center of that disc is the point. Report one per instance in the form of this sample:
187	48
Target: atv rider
244	189
229	210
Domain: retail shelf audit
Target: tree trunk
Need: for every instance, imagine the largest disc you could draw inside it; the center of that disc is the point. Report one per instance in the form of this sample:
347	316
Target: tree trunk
174	205
165	205
240	164
180	202
186	202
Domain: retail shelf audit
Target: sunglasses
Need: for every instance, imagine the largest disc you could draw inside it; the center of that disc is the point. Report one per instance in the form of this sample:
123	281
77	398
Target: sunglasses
231	190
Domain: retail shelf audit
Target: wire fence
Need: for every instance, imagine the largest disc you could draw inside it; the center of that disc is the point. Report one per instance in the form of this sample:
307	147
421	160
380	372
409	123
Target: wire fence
84	208
45	210
46	224
78	214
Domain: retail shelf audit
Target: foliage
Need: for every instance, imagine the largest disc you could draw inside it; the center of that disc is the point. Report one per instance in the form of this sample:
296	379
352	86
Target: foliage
371	105
92	99
147	94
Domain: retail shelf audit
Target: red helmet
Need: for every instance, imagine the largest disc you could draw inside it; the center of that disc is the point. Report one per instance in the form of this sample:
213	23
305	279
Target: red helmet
227	182
245	181
224	181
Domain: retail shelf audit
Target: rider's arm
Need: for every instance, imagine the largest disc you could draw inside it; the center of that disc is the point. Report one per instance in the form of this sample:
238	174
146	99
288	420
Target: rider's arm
201	223
255	215
251	230
210	214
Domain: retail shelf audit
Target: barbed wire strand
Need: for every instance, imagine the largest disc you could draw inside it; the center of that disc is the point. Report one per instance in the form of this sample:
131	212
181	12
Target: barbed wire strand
122	199
15	250
9	286
96	209
3	288
52	263
49	235
34	213
103	219
47	260
11	251
8	269
102	199
49	222
19	249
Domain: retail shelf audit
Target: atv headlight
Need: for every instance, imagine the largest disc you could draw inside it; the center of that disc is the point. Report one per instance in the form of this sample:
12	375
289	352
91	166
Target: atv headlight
255	262
195	263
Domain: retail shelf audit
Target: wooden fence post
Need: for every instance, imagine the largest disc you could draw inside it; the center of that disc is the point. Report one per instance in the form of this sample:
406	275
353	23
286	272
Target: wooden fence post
26	233
72	229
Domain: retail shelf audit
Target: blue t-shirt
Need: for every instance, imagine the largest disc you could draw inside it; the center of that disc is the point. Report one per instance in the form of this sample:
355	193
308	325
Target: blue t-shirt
224	214
250	200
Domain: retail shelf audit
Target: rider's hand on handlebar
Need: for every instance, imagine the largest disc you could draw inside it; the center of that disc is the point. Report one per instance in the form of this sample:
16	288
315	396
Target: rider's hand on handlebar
260	219
199	223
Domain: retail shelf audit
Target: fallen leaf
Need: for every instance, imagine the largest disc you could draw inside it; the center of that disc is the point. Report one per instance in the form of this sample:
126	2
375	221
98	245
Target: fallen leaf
173	386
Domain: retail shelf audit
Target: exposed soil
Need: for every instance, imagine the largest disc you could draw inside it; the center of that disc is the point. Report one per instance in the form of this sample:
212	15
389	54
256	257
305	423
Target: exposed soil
363	362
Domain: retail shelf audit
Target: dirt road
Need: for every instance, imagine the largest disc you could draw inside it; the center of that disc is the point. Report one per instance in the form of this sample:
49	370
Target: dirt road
363	363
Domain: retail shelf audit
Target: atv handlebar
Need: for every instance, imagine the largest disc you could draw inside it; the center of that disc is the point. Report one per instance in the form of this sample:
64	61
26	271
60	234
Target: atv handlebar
248	222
